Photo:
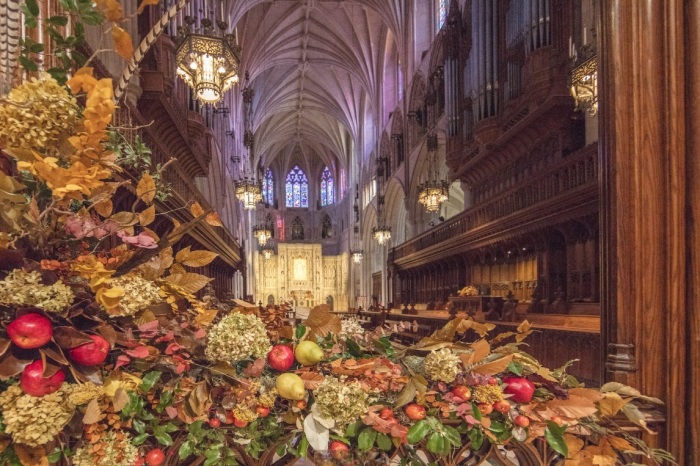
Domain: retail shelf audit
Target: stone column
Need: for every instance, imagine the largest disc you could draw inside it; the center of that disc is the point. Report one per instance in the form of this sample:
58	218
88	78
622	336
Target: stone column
649	126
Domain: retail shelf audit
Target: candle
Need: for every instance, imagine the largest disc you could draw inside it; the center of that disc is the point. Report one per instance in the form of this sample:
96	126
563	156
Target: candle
584	36
571	51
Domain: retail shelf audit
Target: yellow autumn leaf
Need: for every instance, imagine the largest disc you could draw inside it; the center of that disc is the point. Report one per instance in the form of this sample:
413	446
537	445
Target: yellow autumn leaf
196	209
124	219
190	282
82	80
104	208
524	326
146	3
573	444
122	42
198	258
92	412
146	188
205	317
494	367
182	254
31	456
480	349
619	443
611	404
147	216
213	219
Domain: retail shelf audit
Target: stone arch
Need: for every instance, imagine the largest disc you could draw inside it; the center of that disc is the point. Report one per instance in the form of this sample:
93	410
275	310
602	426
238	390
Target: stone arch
417	112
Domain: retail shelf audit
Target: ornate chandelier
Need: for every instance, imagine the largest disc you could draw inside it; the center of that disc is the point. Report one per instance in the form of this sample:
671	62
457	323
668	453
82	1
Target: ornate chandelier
433	192
356	255
249	192
268	250
207	59
382	234
262	233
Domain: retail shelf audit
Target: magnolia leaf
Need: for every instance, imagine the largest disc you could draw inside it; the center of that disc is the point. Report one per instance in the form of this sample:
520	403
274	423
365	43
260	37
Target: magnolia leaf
10	365
120	399
190	282
196	209
213	219
416	386
146	188
125	219
493	367
321	322
317	434
575	407
197	258
635	415
199	400
125	49
611	404
147	216
146	3
70	337
182	254
31	456
92	412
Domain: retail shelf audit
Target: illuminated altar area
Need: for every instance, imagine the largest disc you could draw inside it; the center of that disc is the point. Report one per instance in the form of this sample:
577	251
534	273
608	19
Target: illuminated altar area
299	272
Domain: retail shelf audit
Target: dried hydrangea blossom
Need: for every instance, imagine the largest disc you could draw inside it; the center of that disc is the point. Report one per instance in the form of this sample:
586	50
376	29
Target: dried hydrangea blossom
84	393
139	293
38	114
344	402
26	288
33	420
442	365
244	413
268	398
116	450
487	393
237	337
415	364
350	328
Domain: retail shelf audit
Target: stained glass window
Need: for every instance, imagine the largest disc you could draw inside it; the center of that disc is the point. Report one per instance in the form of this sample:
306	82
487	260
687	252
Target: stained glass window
442	13
268	188
327	192
297	188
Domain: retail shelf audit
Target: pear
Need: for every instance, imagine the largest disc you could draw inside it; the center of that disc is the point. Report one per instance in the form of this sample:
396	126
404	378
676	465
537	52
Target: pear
290	386
308	353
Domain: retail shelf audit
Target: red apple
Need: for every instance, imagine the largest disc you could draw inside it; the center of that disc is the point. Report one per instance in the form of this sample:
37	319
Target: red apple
415	412
521	389
386	413
30	331
462	392
485	409
521	421
502	406
34	383
90	354
339	450
280	357
214	423
262	411
239	422
155	457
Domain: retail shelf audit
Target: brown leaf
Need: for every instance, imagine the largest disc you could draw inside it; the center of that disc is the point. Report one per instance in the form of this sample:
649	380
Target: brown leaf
198	258
146	188
575	407
31	456
321	322
224	368
70	337
125	49
311	379
611	404
107	332
205	317
190	282
53	351
286	332
213	219
196	210
125	219
177	269
120	399
524	326
4	345
254	369
589	393
182	254
199	400
144	317
11	365
92	412
147	216
416	386
481	349
104	207
573	444
145	3
494	367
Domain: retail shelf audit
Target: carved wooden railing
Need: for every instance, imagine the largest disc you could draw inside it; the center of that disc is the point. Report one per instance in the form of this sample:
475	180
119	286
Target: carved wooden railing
569	174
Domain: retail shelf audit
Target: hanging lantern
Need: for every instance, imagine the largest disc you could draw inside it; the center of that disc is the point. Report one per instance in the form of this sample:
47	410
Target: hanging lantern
249	192
356	256
381	234
207	60
268	251
262	233
432	194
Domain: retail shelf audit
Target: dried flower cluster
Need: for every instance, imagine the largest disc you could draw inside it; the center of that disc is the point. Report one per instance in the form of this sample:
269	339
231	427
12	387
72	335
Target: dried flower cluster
487	393
38	115
139	293
341	401
35	420
350	328
84	393
115	449
26	288
442	365
237	337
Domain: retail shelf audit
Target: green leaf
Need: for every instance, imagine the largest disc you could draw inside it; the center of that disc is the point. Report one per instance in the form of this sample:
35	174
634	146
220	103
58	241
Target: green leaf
159	432
353	348
476	436
149	381
515	367
365	441
383	442
166	399
477	412
300	331
139	426
32	7
58	20
353	429
36	47
555	438
436	443
28	64
139	439
418	431
185	450
303	447
55	455
59	74
452	436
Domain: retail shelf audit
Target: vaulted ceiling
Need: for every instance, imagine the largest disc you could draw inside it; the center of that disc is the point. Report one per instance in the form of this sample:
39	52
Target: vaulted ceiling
316	67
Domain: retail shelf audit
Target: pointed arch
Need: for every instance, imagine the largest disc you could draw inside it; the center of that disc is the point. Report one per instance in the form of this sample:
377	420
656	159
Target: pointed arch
297	188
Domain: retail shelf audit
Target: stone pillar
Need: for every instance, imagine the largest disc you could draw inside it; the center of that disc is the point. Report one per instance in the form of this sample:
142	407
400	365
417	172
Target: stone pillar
649	59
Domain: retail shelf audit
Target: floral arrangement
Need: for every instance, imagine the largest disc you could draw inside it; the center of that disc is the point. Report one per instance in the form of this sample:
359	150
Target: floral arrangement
108	357
468	290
